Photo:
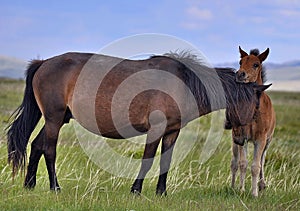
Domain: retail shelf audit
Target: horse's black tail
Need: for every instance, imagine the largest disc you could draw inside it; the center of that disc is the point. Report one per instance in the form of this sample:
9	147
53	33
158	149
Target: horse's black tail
25	120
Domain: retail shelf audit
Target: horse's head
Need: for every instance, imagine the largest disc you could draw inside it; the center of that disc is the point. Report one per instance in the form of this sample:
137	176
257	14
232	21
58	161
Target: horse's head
251	66
243	112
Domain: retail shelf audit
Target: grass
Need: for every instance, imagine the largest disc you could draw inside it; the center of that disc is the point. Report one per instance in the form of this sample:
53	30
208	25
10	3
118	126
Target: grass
190	186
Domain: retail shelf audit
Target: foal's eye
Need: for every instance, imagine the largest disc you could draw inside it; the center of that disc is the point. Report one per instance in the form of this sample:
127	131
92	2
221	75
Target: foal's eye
256	65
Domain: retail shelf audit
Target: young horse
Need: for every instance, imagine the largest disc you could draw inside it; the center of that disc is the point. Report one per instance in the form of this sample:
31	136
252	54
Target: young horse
260	131
56	90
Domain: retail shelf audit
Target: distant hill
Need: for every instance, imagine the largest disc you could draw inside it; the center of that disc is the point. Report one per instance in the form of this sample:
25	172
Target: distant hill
12	67
284	76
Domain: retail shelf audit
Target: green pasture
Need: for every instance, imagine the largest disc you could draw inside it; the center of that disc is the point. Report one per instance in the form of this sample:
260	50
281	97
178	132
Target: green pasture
190	185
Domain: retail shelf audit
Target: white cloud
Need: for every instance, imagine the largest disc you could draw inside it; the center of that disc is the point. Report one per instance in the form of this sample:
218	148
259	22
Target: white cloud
290	13
286	2
190	25
258	19
200	14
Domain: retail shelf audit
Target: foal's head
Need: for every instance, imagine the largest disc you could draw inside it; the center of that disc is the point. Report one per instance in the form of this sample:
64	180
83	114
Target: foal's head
251	66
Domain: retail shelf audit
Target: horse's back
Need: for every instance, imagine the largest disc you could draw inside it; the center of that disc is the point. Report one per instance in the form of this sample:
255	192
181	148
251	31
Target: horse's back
95	88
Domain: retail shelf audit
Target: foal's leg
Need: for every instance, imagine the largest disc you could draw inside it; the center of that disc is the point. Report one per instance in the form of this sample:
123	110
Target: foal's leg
259	147
35	155
167	147
234	163
243	163
148	157
261	183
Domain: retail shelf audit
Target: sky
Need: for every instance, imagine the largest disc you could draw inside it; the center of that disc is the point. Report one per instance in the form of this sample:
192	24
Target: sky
41	29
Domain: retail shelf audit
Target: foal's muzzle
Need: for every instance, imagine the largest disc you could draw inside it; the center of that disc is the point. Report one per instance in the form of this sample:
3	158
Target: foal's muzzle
240	77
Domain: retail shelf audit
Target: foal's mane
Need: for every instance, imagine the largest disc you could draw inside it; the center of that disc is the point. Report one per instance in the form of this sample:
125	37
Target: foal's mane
256	52
204	81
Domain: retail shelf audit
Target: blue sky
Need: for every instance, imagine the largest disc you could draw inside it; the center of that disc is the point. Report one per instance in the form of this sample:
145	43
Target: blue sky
31	29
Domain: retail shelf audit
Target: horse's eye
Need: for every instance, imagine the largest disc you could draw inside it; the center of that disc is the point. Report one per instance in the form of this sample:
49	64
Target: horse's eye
256	65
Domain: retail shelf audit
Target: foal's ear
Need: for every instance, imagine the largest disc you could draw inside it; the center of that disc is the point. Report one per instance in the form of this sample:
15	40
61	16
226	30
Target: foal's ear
261	88
262	57
242	52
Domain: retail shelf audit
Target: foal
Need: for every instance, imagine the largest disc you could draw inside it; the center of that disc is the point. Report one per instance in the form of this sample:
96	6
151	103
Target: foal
260	131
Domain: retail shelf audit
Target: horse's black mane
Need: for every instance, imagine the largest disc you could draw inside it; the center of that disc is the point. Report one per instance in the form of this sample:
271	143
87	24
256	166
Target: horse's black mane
199	77
256	52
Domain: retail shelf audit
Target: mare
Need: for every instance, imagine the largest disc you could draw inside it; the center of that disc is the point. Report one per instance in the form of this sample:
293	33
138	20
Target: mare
56	90
260	131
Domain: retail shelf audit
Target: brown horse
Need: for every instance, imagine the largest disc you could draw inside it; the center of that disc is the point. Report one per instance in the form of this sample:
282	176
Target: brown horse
260	131
171	91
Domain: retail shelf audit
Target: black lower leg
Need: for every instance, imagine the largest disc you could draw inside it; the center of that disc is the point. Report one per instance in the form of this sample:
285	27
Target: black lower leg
136	188
50	156
148	157
30	179
35	155
138	183
162	184
167	147
51	131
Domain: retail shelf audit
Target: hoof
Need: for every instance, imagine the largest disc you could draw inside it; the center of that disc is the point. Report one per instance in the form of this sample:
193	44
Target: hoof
136	188
30	183
135	192
55	189
161	193
261	186
29	187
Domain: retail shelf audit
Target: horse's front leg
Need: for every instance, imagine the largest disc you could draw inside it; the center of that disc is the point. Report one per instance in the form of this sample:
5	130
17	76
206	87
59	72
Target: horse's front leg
259	147
167	147
35	155
243	163
147	161
234	163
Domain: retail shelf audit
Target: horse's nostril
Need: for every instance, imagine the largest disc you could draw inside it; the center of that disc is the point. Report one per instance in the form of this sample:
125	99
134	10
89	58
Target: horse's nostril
242	74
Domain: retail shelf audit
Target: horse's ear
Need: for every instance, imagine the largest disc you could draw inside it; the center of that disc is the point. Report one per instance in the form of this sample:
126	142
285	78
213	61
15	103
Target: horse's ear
242	52
262	57
261	88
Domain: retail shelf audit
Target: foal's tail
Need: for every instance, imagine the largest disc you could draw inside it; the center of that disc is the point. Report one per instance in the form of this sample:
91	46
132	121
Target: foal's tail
25	120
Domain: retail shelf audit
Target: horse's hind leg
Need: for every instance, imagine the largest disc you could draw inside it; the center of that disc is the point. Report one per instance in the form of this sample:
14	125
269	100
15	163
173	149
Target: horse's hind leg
148	157
45	144
51	135
35	155
234	163
167	147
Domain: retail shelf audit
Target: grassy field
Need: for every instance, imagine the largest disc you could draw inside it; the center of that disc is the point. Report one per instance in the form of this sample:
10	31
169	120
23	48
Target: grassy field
191	186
